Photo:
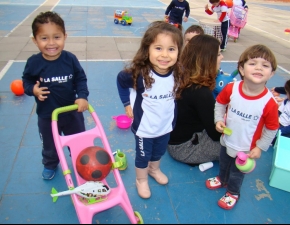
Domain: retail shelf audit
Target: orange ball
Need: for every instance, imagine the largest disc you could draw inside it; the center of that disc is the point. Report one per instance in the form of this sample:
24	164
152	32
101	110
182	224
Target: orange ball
229	3
16	87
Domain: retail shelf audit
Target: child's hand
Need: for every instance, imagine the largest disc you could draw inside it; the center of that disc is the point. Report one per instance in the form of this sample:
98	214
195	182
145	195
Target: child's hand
166	18
82	103
185	19
129	111
279	100
219	126
40	92
206	7
255	153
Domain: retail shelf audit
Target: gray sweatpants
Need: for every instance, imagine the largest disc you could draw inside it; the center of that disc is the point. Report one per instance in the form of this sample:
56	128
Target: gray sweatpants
196	152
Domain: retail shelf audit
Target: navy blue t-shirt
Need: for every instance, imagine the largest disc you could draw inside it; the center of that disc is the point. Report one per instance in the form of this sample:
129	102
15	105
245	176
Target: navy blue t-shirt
64	78
176	10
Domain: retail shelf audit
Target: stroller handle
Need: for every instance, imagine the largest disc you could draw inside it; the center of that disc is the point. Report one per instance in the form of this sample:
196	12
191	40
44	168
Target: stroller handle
67	109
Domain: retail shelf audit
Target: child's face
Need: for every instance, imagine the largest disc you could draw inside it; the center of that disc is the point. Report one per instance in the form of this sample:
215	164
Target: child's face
257	71
163	53
188	36
50	40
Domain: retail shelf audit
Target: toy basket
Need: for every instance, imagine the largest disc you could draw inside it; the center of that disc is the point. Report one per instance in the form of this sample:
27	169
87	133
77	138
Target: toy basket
238	16
212	28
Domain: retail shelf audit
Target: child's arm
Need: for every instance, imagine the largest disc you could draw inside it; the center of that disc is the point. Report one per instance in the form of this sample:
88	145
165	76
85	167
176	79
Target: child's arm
81	87
219	114
187	12
124	82
207	10
167	11
263	143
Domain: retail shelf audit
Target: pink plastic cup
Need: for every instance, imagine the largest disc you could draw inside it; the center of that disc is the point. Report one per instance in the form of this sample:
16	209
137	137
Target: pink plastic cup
122	121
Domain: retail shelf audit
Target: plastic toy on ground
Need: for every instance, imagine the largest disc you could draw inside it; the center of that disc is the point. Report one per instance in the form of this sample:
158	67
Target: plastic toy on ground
86	208
89	190
122	17
244	163
121	157
122	121
16	87
238	20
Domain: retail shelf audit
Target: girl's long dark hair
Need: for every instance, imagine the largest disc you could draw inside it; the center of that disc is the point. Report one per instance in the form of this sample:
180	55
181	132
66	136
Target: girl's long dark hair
141	65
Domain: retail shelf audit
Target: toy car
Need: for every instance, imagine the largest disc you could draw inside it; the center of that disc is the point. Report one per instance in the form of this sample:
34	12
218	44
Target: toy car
122	17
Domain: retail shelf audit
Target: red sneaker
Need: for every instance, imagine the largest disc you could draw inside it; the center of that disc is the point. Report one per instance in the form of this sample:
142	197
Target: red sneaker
228	201
213	183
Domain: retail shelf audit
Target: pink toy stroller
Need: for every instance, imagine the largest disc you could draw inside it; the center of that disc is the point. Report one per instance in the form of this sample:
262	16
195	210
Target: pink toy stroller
86	208
238	20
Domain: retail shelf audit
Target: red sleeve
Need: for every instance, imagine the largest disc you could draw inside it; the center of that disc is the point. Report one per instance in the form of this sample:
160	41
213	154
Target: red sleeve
225	94
209	12
222	16
271	115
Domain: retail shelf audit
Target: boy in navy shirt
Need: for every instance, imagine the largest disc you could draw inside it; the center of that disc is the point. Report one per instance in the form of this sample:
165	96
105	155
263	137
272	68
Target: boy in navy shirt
56	79
175	10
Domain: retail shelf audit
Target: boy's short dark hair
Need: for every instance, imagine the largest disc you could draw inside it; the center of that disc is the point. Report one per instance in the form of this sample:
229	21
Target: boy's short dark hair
257	51
214	1
47	17
194	29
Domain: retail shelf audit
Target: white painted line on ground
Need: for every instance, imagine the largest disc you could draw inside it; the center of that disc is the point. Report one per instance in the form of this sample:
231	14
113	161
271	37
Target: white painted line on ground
5	69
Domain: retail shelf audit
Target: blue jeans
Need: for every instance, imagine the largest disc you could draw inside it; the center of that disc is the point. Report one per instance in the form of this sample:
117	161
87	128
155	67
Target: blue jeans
229	174
150	149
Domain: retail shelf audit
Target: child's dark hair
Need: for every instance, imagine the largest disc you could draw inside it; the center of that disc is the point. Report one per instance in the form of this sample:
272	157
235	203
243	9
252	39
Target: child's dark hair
47	17
194	29
257	51
141	65
213	1
287	87
199	62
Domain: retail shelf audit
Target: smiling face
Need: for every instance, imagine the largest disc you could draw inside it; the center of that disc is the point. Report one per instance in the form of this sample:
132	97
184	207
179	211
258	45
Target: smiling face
163	53
50	40
257	71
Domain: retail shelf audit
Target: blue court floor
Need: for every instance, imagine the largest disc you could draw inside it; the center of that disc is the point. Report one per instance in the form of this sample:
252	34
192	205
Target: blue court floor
25	196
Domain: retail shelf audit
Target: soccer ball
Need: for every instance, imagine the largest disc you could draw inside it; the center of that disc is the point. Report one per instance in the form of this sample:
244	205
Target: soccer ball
93	163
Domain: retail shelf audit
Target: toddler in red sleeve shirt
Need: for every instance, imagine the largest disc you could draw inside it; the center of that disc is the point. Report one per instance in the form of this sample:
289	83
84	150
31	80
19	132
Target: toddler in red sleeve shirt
221	9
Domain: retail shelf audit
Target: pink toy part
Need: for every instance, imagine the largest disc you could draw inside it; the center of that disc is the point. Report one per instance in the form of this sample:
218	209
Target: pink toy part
244	163
123	121
77	142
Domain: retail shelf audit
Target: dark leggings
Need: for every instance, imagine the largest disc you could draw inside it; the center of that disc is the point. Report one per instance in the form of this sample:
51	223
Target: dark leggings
70	123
